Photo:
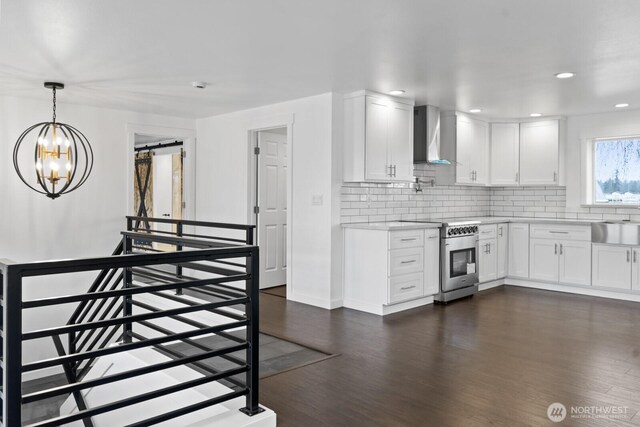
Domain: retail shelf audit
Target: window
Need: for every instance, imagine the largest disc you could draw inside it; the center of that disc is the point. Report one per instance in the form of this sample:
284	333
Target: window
616	171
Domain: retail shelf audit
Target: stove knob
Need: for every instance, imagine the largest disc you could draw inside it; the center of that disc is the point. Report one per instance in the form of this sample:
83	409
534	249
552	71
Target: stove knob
455	231
450	232
475	229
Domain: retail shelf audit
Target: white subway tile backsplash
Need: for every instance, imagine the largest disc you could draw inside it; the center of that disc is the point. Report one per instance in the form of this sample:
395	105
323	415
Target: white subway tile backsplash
369	202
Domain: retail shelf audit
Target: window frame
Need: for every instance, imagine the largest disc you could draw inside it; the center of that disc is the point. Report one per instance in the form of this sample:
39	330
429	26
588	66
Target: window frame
591	176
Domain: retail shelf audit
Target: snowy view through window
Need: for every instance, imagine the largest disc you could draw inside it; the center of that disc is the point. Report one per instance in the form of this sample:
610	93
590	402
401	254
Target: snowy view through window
617	171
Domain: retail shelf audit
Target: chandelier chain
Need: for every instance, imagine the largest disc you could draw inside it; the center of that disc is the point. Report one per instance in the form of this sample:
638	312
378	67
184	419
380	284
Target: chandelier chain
54	105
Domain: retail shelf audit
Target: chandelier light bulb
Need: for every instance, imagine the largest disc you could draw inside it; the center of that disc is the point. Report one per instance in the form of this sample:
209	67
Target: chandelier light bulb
68	166
54	166
67	143
39	165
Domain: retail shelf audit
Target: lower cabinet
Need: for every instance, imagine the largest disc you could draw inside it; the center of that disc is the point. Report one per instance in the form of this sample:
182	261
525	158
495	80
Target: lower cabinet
385	268
488	260
616	266
518	258
564	261
503	250
431	261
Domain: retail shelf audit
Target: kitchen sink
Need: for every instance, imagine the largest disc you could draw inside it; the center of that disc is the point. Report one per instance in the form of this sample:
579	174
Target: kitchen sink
616	233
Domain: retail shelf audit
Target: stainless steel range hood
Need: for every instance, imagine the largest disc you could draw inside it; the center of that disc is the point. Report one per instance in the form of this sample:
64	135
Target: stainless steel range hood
426	135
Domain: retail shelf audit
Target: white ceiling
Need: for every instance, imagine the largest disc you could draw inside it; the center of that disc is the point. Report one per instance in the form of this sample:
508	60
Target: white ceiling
498	55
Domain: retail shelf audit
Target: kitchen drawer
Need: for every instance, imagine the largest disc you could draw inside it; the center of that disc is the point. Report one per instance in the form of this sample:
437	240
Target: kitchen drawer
406	239
405	261
559	231
489	231
406	287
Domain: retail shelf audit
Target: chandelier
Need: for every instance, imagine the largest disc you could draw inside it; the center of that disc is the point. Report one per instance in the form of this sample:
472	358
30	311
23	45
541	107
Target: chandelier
61	157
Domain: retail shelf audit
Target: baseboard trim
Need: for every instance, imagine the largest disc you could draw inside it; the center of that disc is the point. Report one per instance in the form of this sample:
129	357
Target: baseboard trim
315	301
594	292
383	310
490	285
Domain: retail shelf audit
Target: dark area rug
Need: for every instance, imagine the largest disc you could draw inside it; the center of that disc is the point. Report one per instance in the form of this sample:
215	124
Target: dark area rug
276	355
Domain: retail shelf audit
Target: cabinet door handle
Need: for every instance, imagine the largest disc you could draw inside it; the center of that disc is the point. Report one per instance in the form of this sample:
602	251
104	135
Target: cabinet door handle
628	256
555	249
408	262
433	237
408	240
486	231
560	248
635	256
558	232
555	177
500	231
406	288
395	167
517	177
489	248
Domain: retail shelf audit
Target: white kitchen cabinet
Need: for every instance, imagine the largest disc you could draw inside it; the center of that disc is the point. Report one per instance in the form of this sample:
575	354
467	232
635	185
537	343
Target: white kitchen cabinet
635	273
612	266
540	153
390	270
378	138
505	154
465	141
431	261
488	260
574	259
561	253
544	260
518	251
502	251
400	141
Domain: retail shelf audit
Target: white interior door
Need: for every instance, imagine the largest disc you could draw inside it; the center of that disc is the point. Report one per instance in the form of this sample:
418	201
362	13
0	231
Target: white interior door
272	203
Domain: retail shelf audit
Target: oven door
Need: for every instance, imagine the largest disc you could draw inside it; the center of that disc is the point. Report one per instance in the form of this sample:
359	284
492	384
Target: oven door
459	262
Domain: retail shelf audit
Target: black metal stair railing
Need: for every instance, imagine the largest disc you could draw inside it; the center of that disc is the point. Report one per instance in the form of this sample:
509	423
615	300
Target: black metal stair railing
126	308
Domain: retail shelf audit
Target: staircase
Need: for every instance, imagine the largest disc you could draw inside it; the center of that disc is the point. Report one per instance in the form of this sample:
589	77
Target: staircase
118	350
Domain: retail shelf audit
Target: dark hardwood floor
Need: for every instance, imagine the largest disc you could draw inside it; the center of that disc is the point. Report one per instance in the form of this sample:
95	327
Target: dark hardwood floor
499	359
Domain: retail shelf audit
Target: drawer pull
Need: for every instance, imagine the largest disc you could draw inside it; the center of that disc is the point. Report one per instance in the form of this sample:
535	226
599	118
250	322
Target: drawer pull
406	288
486	231
408	240
408	262
558	232
433	237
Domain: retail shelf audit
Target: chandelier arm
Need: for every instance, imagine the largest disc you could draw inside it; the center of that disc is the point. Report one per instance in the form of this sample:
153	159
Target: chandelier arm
16	150
44	130
88	152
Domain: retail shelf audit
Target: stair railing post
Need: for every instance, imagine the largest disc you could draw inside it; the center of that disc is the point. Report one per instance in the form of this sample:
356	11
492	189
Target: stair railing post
252	310
127	279
179	232
12	346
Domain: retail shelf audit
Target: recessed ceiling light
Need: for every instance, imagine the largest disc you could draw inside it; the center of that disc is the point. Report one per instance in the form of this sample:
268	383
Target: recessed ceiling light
565	75
623	105
396	92
535	114
475	110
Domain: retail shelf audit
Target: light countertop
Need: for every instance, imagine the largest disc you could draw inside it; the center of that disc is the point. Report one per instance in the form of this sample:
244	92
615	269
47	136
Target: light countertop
393	225
410	225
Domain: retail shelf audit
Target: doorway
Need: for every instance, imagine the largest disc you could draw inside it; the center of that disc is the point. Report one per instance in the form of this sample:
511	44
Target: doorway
271	205
158	183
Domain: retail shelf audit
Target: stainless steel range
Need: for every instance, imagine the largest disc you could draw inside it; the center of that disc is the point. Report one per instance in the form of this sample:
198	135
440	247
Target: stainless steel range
458	260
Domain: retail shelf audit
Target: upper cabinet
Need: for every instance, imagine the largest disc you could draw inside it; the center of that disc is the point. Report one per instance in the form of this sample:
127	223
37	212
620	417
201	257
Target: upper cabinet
540	153
466	144
519	153
505	154
378	138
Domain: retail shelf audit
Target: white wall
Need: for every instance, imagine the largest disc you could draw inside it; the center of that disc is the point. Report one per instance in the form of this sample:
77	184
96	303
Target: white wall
223	188
85	223
581	128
